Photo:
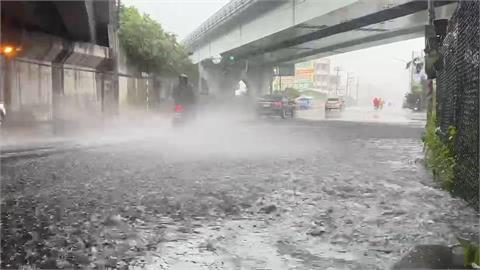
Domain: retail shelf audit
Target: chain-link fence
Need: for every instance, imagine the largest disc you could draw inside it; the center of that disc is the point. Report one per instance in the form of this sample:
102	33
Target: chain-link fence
458	96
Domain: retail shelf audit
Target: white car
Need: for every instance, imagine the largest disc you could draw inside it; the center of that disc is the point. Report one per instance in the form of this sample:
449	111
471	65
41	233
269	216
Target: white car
334	104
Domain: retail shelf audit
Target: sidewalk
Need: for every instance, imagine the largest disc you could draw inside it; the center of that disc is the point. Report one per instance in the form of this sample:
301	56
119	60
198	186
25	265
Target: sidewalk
80	132
23	135
365	114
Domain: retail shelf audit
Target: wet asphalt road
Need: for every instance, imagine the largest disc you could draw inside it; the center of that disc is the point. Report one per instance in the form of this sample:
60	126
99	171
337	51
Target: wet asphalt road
268	194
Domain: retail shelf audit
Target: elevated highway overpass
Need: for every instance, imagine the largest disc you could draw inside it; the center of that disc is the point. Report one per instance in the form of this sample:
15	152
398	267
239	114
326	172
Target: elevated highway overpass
248	37
47	37
47	30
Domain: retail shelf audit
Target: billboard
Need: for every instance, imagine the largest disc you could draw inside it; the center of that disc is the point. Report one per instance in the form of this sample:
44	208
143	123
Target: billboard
304	72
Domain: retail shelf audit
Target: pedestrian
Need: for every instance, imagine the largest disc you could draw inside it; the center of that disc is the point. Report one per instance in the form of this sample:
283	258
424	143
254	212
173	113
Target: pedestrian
376	103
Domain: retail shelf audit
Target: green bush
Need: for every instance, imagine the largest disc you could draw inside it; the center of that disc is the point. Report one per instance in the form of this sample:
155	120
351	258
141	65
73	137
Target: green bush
289	92
149	47
439	156
292	92
471	255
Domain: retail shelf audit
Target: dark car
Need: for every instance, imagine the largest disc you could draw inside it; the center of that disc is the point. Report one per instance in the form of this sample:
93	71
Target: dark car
275	105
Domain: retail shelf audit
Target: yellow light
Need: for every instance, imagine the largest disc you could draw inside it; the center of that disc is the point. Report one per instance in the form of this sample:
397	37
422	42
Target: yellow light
7	50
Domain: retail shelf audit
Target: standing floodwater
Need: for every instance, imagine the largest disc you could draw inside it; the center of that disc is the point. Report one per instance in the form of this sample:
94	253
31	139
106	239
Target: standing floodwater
267	194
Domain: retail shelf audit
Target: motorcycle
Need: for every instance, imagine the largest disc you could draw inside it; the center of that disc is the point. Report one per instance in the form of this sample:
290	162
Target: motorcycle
182	114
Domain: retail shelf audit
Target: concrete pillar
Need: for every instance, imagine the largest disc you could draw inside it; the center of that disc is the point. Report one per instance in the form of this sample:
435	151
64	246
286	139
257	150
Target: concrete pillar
258	80
114	43
57	96
221	80
100	89
6	78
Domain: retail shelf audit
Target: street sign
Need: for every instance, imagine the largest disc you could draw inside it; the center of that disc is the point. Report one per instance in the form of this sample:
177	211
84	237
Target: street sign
284	70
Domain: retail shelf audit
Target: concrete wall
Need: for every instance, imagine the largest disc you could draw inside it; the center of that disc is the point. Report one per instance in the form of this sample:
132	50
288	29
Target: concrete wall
144	94
88	94
30	90
30	97
81	100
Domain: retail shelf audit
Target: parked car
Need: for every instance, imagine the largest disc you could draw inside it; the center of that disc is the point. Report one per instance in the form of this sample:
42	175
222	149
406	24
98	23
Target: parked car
304	103
334	104
276	105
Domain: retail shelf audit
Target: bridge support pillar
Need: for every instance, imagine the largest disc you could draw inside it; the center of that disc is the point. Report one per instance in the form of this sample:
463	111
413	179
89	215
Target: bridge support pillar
58	85
222	81
218	81
258	80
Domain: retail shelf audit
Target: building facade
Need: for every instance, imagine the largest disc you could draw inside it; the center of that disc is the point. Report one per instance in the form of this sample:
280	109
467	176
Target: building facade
312	75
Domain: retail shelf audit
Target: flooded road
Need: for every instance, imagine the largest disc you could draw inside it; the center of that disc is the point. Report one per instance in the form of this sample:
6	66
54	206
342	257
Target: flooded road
268	194
366	115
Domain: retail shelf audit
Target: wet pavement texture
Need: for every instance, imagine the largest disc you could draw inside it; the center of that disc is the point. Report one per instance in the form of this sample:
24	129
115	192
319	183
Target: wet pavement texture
268	194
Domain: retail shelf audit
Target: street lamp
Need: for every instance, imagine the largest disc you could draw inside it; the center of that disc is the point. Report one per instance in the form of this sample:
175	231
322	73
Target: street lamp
9	50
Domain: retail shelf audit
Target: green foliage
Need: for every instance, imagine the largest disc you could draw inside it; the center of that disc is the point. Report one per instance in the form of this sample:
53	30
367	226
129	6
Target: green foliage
417	88
471	253
439	155
149	47
289	92
292	92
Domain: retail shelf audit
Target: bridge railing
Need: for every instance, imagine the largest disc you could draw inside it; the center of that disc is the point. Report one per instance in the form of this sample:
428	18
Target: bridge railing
225	13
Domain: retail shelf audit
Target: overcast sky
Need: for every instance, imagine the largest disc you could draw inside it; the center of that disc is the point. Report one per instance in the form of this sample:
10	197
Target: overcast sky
178	16
381	69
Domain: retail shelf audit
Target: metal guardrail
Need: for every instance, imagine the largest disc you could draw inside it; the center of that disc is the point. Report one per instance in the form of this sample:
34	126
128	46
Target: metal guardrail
224	14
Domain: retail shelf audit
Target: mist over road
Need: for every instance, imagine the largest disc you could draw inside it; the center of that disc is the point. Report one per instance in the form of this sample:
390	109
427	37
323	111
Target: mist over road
228	194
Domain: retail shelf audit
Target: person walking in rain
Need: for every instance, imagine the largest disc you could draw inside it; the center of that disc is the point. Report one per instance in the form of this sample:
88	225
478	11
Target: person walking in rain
376	103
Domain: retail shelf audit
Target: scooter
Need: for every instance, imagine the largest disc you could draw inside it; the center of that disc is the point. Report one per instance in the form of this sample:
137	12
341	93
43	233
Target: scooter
178	116
182	115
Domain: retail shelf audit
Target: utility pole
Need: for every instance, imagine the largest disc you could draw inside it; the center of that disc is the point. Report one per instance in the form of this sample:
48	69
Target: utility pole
346	87
431	12
428	49
356	97
280	82
411	70
337	69
347	90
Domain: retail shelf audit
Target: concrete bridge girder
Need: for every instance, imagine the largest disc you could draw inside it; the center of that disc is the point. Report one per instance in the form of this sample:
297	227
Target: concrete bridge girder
314	28
36	46
76	20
